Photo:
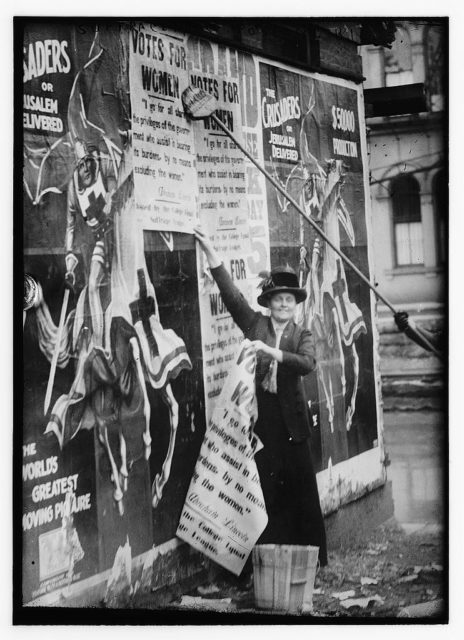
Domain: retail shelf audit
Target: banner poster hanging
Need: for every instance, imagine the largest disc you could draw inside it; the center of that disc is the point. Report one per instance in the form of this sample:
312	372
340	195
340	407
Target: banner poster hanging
230	199
163	151
224	512
312	145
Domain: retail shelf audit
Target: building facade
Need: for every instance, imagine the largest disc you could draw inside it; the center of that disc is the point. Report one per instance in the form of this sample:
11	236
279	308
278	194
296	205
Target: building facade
409	189
408	168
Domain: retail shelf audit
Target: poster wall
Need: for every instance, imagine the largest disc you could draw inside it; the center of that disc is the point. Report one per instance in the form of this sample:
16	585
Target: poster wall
109	96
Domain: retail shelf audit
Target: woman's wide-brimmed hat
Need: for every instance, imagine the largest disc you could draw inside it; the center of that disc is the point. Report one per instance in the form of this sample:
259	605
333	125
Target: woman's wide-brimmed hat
280	280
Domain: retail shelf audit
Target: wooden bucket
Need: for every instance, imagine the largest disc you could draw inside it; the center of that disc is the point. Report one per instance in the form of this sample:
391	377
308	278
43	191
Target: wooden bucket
284	576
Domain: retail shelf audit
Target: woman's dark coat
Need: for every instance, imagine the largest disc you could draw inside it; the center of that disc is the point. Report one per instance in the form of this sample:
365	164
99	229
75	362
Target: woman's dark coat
283	425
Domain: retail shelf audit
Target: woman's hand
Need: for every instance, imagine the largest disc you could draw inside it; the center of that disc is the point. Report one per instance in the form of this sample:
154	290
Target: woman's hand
213	259
259	345
201	236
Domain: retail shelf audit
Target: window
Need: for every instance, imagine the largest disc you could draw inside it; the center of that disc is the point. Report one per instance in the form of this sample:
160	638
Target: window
398	60
407	223
440	209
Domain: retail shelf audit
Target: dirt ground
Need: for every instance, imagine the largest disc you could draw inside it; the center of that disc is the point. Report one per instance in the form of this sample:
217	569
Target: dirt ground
407	569
394	569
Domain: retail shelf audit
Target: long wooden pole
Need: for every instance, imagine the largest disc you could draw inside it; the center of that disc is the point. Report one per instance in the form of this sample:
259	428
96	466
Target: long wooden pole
293	202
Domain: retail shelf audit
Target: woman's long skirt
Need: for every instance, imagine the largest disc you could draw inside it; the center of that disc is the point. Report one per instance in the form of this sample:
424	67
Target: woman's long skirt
288	482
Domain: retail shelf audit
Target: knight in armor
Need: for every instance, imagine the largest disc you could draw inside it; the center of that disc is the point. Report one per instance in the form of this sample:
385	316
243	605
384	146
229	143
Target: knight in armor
90	193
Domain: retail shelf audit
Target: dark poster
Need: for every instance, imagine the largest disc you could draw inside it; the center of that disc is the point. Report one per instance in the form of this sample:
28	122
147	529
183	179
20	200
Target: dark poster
311	142
122	412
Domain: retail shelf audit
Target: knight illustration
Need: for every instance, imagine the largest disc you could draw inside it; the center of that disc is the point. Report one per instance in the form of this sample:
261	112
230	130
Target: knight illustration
335	321
90	192
114	335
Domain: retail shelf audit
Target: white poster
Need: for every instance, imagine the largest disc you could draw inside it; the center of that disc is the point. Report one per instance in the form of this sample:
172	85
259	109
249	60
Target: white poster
230	199
163	152
224	512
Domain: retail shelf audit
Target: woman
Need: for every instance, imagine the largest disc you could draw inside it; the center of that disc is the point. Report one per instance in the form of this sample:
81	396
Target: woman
284	353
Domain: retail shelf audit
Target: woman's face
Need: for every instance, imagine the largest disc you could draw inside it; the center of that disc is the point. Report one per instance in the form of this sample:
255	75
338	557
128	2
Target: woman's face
282	306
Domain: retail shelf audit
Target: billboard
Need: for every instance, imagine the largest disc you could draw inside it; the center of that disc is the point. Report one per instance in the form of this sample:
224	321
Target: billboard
115	179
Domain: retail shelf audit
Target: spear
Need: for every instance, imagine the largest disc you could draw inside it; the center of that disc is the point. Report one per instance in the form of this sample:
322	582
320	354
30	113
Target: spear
51	377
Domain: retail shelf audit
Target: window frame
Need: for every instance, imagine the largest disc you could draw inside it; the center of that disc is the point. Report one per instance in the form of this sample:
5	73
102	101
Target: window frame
413	193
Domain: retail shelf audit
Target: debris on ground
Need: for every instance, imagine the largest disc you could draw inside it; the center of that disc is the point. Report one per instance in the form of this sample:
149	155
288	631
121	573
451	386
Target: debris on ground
208	589
390	576
343	595
363	603
211	604
431	609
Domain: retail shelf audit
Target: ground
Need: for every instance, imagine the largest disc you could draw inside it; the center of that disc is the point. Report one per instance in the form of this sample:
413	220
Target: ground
399	566
407	568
